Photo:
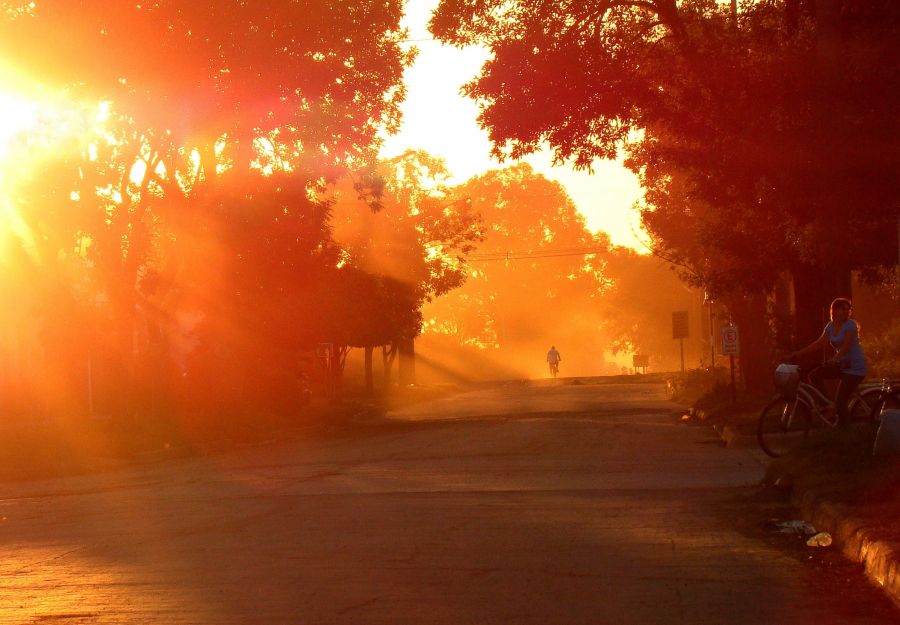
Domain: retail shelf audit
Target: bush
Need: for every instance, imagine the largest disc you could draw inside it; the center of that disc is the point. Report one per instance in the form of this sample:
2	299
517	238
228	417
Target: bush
883	352
689	386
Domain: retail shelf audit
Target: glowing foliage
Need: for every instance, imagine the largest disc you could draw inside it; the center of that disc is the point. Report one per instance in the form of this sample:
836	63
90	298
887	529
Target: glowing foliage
772	129
196	99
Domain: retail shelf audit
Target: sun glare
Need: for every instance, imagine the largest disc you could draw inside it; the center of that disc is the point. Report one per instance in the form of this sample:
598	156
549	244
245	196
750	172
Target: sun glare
36	125
17	116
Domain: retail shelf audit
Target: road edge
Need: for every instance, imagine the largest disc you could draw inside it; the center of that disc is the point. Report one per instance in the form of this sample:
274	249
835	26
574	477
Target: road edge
856	540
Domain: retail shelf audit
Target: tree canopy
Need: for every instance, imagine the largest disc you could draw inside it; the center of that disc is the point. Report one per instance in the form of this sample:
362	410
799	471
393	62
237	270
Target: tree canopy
541	278
331	71
533	278
198	190
771	125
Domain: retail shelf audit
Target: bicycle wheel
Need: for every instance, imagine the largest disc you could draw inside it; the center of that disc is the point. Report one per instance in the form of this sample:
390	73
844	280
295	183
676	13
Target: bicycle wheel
783	424
885	401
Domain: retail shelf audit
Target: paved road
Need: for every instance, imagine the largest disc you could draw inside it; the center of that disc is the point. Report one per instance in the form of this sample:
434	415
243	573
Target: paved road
520	504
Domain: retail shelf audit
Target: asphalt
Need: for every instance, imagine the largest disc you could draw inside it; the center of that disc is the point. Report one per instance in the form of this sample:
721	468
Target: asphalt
562	504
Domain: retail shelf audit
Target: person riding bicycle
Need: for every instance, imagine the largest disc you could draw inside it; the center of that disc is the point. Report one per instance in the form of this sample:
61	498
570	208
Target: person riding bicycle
553	358
848	362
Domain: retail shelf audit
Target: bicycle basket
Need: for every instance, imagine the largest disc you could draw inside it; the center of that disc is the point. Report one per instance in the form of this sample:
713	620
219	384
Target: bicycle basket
787	379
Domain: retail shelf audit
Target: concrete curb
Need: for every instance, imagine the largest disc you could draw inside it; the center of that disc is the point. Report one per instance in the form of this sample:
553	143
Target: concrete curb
855	539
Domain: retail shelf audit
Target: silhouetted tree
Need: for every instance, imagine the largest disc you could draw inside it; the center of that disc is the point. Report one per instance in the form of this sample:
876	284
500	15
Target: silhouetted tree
192	91
638	306
775	126
536	276
417	241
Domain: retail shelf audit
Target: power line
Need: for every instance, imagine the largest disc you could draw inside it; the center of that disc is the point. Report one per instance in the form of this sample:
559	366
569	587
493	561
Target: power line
539	252
486	257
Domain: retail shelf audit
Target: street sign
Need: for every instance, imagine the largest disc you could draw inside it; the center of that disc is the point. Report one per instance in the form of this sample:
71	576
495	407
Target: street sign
640	361
680	324
731	344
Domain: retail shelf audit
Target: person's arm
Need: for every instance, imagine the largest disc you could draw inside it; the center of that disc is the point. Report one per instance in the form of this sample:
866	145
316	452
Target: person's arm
819	343
849	336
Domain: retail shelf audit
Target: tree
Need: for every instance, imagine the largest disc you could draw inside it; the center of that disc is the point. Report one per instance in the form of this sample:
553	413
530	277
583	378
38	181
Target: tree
367	310
637	308
213	89
205	70
536	278
415	243
757	120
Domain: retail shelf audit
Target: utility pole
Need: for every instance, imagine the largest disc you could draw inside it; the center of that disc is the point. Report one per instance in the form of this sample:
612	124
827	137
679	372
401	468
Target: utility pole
708	300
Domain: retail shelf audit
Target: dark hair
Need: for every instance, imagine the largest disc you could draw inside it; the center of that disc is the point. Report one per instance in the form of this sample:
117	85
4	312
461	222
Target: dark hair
840	302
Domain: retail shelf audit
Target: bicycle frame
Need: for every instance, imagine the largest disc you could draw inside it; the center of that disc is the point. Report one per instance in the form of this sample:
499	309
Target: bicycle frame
782	422
815	400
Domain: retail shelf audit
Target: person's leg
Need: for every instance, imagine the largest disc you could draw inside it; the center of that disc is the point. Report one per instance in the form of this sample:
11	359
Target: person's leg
845	388
818	376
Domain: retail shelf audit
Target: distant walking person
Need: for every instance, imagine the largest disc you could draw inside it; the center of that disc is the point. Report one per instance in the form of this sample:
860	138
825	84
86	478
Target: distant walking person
554	359
848	362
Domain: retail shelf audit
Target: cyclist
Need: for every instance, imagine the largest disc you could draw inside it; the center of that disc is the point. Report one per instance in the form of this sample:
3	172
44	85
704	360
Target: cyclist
848	362
553	358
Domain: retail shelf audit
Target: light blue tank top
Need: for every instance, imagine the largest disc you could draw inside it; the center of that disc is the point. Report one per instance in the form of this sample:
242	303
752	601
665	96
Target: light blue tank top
854	361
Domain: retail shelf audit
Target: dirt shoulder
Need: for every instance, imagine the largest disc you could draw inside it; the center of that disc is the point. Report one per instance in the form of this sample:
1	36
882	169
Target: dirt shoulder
38	448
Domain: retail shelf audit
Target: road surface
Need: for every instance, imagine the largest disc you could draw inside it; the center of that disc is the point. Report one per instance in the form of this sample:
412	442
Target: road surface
520	503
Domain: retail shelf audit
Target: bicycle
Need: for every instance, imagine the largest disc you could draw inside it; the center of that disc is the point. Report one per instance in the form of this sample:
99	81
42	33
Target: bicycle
881	396
554	369
799	407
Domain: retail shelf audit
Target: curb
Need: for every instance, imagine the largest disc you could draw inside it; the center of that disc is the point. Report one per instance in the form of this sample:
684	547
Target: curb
852	535
734	439
880	558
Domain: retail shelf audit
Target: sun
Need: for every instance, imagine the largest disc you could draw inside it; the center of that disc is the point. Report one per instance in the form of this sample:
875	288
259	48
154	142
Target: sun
17	117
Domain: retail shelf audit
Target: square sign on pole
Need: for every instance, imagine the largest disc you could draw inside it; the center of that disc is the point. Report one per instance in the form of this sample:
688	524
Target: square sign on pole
731	344
680	324
680	330
640	361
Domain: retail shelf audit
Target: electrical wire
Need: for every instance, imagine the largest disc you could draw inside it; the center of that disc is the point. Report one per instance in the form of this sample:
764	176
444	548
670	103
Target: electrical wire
505	256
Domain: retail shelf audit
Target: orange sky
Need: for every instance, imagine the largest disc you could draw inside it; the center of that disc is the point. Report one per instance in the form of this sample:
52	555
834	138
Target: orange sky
440	121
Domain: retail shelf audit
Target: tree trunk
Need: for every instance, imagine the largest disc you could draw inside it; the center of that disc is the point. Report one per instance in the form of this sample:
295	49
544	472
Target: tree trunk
338	360
809	309
406	371
370	385
814	288
388	354
749	314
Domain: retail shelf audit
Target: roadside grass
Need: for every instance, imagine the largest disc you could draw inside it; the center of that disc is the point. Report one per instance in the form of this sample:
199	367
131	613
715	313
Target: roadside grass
838	466
41	447
720	410
713	403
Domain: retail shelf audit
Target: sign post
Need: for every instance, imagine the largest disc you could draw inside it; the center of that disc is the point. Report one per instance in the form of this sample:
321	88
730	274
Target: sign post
680	330
640	361
731	345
